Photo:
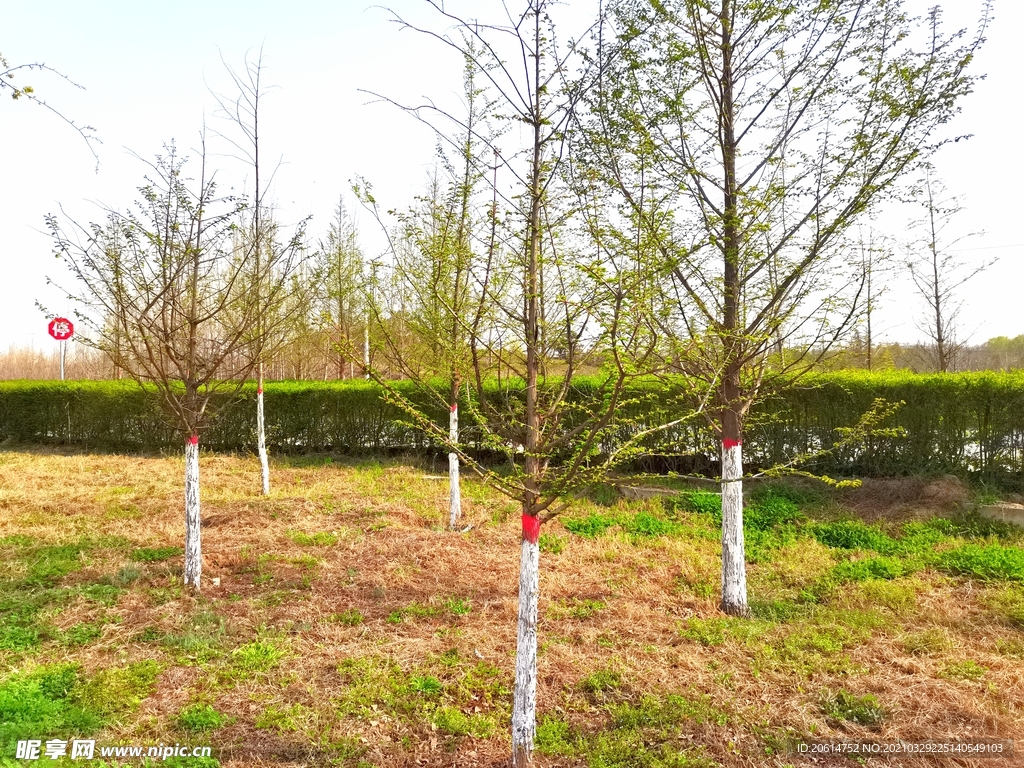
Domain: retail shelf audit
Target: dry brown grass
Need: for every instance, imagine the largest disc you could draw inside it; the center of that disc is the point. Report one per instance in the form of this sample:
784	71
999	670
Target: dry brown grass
391	553
902	497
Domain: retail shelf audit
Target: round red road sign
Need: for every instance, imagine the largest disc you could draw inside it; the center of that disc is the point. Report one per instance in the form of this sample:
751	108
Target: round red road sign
61	328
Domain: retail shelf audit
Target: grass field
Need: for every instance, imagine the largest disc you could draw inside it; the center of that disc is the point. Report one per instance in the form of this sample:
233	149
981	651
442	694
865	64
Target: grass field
339	624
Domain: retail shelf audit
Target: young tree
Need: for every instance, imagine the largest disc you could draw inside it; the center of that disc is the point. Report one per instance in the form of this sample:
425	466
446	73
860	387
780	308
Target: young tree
164	293
872	253
434	258
937	272
341	303
767	130
265	252
544	304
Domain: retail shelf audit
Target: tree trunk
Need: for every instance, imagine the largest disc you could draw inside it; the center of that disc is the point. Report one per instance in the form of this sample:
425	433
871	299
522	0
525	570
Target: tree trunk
454	493
524	706
734	570
261	434
193	545
734	577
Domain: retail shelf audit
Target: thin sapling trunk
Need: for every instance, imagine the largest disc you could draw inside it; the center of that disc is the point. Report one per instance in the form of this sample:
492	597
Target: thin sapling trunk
193	543
524	705
454	493
261	434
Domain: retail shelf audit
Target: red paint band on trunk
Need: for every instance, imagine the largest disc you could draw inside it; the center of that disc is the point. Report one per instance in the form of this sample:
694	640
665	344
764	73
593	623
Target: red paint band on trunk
455	408
194	440
531	528
259	390
731	443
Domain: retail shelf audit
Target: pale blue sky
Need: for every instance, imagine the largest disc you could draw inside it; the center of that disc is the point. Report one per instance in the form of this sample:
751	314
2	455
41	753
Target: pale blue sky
145	66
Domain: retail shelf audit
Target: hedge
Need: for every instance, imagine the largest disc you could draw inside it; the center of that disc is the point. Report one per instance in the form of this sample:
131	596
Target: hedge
965	423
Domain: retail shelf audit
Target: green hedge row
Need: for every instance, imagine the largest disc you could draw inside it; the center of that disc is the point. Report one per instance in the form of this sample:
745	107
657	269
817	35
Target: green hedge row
968	424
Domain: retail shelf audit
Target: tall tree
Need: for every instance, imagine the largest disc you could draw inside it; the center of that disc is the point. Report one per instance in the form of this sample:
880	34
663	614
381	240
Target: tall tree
259	235
874	253
441	240
544	306
341	300
164	293
938	271
767	130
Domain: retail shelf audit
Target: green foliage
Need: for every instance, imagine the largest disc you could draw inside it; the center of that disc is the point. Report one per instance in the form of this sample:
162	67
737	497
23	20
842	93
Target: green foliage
601	681
985	562
770	510
551	543
800	495
282	719
869	568
454	721
427	685
591	526
644	525
707	632
575	608
319	539
863	710
258	656
555	737
717	629
652	712
853	534
350	617
40	702
458	606
81	634
47	564
200	717
1014	648
126	574
155	554
968	669
114	692
200	640
24	601
926	642
816	641
961	423
701	502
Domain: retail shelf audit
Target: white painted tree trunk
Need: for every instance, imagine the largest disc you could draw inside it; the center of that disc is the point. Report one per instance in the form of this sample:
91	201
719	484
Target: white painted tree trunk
734	569
366	349
193	545
454	493
261	440
524	706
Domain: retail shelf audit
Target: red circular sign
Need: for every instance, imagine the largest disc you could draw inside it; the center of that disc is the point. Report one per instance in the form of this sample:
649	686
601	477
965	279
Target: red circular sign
61	328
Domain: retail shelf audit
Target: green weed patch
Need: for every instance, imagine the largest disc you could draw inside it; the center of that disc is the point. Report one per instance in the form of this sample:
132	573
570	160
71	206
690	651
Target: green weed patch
591	526
717	629
155	554
318	539
853	534
200	717
639	735
41	702
983	561
843	706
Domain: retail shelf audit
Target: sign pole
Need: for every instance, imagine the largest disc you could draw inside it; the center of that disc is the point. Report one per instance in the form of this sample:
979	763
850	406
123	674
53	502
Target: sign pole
61	329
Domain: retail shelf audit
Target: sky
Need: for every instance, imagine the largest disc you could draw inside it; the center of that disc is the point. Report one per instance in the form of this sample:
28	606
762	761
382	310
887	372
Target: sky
148	70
